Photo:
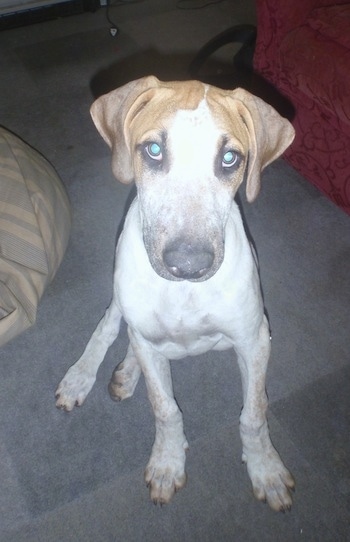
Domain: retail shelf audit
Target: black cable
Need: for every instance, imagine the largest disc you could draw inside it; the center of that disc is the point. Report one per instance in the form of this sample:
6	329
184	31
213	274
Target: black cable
181	4
113	27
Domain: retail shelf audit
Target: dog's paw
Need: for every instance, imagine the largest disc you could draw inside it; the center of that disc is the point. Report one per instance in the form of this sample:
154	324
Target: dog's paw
124	380
74	388
165	474
272	482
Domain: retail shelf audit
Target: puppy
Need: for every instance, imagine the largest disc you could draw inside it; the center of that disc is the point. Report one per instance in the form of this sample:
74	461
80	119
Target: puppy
186	278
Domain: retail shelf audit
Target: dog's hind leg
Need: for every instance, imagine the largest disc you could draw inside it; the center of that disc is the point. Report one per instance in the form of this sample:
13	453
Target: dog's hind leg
125	377
271	480
81	376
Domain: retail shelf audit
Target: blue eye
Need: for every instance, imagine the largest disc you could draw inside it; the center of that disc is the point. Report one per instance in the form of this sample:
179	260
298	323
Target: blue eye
229	159
154	151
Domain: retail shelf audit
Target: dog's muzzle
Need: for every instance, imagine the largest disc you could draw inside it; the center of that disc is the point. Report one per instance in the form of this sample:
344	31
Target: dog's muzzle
188	261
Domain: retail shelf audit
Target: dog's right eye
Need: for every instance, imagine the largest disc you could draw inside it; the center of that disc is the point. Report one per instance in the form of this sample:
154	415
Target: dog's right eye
154	151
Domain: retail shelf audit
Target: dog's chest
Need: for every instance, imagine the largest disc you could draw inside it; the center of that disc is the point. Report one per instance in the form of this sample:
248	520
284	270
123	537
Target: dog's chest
184	317
177	324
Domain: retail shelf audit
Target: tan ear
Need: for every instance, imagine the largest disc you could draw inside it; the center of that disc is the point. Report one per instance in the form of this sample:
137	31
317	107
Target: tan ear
109	113
269	135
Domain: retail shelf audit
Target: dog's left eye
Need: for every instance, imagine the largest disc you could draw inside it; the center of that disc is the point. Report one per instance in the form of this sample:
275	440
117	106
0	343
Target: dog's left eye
229	159
154	151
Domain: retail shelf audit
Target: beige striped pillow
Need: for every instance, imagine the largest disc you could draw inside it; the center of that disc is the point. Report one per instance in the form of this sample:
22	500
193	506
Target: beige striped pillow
35	221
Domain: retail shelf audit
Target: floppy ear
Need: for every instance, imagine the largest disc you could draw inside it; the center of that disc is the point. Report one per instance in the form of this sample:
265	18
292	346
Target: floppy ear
109	113
269	135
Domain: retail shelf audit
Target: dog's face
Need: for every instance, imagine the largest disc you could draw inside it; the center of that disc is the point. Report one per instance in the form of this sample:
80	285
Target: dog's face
187	146
187	168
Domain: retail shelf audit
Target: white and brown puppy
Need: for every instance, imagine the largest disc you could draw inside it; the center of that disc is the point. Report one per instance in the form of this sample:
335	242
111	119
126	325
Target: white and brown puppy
186	279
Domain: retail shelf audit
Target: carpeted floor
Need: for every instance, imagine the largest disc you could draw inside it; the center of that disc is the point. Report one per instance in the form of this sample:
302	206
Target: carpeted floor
79	476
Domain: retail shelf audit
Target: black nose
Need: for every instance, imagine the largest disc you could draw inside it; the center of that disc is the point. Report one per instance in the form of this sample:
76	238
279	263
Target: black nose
187	260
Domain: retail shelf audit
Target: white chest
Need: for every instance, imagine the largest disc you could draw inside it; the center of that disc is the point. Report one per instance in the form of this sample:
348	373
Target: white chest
182	318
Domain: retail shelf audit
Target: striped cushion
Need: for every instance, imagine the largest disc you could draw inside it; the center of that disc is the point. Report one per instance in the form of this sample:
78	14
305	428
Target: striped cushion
35	222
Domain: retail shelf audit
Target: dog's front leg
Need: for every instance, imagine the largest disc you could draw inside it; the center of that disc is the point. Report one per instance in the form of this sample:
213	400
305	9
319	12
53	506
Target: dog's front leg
81	376
165	472
271	480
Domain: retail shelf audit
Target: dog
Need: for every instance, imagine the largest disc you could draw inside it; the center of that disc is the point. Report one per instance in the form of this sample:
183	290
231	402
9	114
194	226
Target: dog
186	278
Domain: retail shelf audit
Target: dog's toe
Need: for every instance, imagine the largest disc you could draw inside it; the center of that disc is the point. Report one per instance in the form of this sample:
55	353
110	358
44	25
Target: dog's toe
73	389
163	484
165	475
124	380
276	494
272	482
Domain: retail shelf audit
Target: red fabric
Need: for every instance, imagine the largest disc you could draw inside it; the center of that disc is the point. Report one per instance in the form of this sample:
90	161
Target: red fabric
320	71
333	22
298	51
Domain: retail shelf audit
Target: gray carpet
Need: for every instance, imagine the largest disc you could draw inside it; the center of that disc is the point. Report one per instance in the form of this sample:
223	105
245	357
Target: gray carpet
79	476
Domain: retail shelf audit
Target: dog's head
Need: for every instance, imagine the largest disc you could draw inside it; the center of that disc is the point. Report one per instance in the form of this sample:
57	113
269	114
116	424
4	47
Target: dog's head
188	146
